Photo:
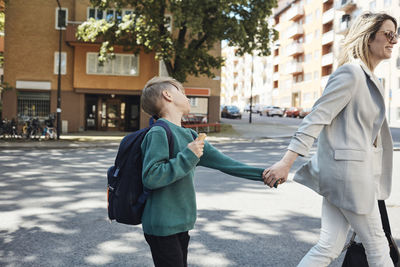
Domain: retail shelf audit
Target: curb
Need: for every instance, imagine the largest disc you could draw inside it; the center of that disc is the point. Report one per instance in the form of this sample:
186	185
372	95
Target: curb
86	145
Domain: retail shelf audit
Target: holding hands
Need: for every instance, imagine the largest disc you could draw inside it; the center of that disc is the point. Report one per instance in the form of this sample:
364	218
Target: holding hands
278	173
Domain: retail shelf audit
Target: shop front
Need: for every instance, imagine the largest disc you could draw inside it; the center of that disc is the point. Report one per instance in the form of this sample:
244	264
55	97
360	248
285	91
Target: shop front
112	112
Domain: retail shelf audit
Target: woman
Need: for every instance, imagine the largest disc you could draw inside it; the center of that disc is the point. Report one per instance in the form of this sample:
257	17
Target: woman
353	164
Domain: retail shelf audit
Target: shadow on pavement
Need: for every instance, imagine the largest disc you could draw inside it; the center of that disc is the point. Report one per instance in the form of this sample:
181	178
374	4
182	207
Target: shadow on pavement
53	213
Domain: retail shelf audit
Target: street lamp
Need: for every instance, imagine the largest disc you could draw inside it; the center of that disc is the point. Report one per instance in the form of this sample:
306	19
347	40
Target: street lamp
59	75
251	88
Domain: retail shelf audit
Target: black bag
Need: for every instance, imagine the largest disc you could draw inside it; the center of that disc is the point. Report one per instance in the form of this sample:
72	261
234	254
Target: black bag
355	254
126	195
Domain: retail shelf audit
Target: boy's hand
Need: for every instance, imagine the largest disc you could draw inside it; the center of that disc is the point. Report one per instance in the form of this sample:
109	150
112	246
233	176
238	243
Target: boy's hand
197	147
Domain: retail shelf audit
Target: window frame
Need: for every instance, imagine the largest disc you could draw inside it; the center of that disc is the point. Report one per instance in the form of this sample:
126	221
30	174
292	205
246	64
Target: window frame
115	11
66	18
113	73
63	57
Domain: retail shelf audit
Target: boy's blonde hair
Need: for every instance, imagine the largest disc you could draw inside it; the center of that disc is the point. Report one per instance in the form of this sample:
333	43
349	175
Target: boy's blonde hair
363	30
152	93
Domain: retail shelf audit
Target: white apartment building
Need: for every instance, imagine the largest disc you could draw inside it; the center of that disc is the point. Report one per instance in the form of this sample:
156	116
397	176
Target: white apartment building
245	76
305	55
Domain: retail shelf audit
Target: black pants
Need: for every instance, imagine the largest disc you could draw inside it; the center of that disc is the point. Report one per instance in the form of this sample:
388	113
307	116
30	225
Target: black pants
169	251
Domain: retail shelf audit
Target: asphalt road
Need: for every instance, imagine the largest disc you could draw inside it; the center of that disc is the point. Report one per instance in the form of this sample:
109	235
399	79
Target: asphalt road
277	127
53	212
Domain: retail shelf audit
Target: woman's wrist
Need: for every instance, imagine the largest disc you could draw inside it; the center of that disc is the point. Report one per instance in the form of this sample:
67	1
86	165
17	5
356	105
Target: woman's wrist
290	157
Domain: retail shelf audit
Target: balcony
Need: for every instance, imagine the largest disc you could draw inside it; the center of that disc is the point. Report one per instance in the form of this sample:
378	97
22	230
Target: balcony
344	25
275	76
295	49
346	5
327	37
294	31
327	59
328	16
294	68
295	12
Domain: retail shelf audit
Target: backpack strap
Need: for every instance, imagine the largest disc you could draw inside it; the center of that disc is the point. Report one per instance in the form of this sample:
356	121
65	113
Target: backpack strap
169	135
170	144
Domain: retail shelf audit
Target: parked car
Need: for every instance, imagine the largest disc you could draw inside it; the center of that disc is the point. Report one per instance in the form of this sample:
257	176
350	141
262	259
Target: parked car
258	108
304	112
247	108
292	112
272	111
232	112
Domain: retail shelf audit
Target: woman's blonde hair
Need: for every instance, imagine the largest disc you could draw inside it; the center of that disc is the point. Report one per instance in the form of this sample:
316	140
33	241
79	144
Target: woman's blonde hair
363	30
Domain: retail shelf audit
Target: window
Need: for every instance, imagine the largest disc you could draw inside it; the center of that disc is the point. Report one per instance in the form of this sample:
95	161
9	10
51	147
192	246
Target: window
398	113
308	19
63	63
307	97
33	104
108	14
387	3
316	75
317	54
122	65
308	38
308	76
308	57
193	101
317	12
168	23
61	18
288	84
316	33
198	105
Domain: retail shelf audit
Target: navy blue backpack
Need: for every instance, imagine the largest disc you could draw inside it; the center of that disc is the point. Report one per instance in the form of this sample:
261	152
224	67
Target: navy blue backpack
126	195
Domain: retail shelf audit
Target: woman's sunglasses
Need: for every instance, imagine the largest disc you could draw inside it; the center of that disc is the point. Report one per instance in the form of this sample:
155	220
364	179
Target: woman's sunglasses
390	36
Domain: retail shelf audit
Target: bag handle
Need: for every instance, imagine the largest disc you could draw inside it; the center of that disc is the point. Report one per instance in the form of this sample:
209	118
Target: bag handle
384	217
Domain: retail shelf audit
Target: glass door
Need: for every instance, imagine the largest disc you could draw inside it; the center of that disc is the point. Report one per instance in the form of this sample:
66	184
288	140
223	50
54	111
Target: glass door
113	114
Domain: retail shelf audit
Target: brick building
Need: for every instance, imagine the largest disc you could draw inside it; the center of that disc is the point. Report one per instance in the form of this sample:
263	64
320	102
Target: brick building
93	97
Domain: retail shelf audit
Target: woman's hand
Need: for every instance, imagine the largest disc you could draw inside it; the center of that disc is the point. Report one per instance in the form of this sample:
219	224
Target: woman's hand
197	147
278	173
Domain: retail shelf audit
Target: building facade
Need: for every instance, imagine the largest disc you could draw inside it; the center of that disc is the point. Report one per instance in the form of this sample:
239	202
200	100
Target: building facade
306	53
93	97
245	77
303	56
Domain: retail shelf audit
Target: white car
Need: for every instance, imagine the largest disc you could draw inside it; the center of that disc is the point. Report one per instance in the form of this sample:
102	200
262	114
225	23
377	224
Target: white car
274	111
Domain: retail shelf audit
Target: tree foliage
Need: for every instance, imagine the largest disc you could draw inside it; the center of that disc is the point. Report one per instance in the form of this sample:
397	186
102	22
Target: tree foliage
197	26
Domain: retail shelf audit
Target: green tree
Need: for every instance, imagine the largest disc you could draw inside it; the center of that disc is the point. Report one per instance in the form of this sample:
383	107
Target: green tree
197	26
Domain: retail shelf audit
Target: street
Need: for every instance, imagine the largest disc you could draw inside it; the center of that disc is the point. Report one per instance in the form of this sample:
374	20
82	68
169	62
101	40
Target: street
277	127
53	211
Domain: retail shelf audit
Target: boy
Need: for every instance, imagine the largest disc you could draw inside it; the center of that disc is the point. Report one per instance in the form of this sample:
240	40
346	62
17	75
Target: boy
170	210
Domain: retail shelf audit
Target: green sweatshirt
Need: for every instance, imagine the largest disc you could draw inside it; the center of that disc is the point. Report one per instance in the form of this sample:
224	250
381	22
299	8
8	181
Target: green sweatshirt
171	206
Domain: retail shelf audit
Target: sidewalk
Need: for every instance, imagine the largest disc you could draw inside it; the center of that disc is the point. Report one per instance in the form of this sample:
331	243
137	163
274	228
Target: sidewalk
88	139
91	139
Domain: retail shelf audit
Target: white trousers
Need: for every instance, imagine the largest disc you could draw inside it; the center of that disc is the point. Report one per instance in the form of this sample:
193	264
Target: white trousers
335	224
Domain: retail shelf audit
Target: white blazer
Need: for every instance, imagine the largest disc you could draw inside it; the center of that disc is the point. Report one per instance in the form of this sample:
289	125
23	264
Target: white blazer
349	116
